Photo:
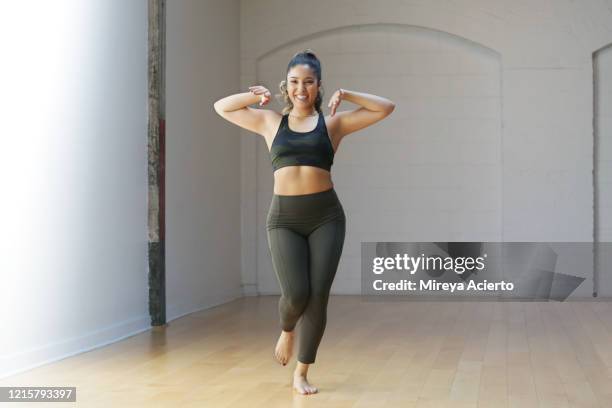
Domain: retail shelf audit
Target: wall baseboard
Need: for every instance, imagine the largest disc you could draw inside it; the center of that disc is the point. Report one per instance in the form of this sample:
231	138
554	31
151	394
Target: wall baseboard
177	311
29	359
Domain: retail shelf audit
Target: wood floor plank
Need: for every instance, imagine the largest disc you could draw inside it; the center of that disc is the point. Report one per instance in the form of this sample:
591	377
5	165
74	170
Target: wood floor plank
374	354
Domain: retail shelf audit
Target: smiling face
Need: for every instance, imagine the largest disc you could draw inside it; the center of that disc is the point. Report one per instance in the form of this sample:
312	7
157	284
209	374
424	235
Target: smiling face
302	86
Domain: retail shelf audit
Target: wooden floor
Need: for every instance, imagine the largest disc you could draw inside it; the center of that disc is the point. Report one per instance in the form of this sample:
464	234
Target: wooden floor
373	354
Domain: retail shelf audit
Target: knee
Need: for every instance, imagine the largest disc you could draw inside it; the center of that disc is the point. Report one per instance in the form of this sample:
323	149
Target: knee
320	297
317	303
296	301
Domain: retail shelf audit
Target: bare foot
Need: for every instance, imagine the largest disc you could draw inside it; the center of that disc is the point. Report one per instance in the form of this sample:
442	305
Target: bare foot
284	347
301	385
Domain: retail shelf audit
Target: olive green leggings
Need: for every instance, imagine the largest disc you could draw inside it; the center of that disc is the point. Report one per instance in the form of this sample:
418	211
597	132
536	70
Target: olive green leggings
305	238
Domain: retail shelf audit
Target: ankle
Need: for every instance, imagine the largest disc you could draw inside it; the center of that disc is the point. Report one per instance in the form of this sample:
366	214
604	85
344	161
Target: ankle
300	372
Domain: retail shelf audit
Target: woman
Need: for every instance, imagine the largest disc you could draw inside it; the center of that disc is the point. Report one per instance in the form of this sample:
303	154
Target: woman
306	222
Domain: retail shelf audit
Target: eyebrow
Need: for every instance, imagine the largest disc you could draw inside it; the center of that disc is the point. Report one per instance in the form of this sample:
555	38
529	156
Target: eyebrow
308	77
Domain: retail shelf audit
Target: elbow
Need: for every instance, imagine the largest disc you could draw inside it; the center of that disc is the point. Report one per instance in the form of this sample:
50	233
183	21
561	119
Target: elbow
391	108
217	107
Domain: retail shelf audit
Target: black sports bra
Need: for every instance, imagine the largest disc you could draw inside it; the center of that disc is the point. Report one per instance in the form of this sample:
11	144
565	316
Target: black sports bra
312	148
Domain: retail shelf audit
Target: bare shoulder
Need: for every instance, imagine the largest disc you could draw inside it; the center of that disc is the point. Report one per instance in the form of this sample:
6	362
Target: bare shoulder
273	120
331	123
272	123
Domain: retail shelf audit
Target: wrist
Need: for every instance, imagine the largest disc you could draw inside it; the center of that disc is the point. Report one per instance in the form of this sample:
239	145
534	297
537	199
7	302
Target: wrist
254	98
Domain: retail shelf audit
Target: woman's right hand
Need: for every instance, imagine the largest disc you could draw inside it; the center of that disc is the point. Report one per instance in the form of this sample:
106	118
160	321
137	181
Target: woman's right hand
263	91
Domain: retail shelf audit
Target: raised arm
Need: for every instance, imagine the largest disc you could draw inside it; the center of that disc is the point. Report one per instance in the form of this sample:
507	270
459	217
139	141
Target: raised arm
373	109
235	109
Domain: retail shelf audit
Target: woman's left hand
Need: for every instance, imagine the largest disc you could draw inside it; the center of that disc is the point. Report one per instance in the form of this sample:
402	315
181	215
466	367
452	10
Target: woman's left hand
335	100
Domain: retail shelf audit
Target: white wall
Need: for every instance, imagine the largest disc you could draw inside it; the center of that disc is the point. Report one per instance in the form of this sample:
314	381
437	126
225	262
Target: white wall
73	174
202	156
491	138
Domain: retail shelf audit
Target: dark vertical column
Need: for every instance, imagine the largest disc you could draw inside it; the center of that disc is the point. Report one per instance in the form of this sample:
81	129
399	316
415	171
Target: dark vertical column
156	162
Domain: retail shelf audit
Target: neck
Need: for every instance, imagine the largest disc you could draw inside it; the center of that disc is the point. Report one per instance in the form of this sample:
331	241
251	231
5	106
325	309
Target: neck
296	112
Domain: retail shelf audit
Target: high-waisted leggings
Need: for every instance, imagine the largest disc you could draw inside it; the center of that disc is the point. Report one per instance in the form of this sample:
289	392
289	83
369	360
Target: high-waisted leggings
305	238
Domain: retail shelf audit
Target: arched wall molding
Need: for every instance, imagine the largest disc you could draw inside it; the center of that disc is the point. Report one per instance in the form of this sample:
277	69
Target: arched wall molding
346	28
335	30
600	48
